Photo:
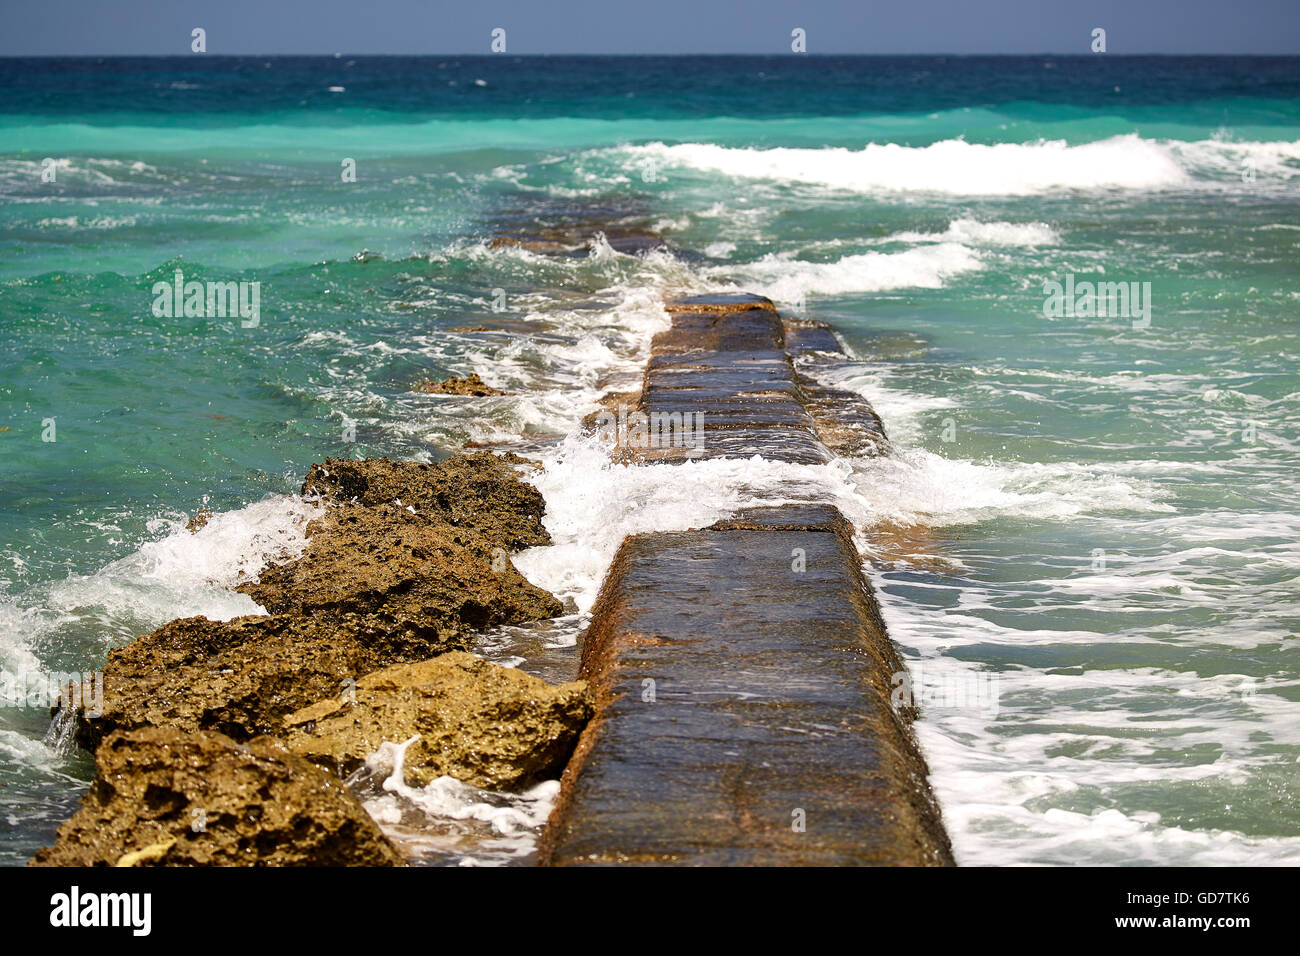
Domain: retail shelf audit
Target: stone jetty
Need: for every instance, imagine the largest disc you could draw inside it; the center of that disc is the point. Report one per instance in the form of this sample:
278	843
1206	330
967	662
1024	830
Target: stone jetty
742	671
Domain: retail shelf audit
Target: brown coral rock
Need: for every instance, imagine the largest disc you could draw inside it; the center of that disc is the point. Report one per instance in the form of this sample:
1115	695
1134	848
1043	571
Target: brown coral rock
166	797
240	677
400	568
490	726
478	492
380	582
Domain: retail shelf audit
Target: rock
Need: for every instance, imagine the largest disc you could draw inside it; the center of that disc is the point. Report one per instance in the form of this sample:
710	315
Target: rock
470	385
166	797
719	303
580	235
477	491
241	677
539	244
198	521
376	585
409	574
491	726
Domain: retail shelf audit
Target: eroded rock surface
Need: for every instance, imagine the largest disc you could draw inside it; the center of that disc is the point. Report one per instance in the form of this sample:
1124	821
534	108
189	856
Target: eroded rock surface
407	561
491	726
240	677
407	573
165	797
478	492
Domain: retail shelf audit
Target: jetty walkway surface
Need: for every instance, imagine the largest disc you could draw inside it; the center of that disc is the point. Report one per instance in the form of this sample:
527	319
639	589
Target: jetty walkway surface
742	671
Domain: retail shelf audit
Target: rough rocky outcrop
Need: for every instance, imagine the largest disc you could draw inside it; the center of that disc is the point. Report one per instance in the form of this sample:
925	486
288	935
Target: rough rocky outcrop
240	677
490	726
477	492
406	562
469	385
424	579
166	797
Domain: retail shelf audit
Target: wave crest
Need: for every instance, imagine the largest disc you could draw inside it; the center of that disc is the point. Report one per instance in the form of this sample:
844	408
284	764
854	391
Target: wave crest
958	167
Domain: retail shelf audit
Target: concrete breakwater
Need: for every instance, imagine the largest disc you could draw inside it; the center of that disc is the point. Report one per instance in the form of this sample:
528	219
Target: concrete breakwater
742	671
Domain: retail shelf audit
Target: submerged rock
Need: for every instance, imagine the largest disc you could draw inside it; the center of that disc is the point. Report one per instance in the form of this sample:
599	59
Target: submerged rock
491	726
582	237
166	797
469	385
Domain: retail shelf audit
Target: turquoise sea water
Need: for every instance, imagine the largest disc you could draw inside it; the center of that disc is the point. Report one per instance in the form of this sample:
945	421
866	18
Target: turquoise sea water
1094	520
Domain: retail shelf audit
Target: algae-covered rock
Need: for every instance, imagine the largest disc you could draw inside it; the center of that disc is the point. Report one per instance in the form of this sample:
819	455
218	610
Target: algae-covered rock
490	726
241	677
469	385
164	797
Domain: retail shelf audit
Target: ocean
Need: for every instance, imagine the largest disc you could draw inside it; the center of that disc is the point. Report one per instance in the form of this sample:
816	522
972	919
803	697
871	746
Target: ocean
1085	544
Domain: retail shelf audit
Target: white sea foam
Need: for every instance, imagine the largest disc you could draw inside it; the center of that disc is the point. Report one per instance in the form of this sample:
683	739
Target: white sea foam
976	233
592	504
177	574
1221	159
560	372
421	819
96	172
1005	794
183	573
17	627
1012	787
1098	738
935	259
229	549
782	277
958	167
87	222
1066	770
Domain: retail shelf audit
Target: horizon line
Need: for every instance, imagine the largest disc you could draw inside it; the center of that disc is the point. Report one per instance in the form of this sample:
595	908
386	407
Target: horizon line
509	56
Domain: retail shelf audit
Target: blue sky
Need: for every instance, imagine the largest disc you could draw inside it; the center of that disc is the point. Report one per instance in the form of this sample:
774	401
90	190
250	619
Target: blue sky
120	27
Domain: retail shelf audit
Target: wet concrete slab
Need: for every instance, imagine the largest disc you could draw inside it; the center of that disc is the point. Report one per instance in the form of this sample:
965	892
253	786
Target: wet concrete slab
774	362
719	302
793	445
744	683
845	421
804	339
736	361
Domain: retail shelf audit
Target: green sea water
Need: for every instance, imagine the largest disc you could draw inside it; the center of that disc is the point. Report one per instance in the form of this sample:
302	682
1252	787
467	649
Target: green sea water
1091	518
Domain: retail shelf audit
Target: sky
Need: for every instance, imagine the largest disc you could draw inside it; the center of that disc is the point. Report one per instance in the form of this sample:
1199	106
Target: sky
162	27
